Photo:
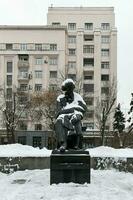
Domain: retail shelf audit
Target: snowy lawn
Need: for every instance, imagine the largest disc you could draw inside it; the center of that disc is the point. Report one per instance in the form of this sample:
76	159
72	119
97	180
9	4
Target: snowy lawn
34	185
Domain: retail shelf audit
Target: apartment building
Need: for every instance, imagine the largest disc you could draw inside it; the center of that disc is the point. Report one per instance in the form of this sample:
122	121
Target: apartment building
31	59
91	50
78	42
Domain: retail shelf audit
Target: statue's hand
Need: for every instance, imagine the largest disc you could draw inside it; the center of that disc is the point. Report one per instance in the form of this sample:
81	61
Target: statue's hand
75	118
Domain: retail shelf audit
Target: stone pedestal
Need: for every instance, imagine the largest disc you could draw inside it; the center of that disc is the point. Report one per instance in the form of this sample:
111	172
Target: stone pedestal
70	166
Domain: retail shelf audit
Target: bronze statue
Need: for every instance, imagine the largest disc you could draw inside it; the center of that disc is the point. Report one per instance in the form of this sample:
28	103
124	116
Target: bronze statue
70	110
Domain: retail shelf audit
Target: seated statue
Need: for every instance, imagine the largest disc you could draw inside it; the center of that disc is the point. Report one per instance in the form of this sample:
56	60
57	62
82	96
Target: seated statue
70	110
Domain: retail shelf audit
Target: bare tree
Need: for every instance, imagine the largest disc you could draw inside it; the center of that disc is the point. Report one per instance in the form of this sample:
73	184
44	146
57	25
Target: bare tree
43	108
104	107
14	107
130	118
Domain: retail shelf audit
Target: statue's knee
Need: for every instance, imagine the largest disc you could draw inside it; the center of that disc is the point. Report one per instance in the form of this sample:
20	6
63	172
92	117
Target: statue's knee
58	121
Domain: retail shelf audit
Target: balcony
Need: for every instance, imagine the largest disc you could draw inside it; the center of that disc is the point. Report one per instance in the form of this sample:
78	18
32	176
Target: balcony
86	55
88	67
23	76
23	63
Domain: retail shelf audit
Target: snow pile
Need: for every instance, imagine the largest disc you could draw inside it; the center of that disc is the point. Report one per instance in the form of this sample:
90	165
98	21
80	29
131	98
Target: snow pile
35	185
103	151
19	150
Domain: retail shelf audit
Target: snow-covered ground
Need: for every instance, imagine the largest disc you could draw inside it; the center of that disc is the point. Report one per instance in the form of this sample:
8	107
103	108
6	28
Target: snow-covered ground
18	150
35	185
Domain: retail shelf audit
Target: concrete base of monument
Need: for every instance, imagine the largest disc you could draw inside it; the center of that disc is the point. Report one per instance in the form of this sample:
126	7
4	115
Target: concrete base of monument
70	166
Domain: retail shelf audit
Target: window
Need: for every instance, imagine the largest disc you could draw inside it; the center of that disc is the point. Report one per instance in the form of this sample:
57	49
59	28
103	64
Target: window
9	105
104	103
88	49
88	75
38	47
105	90
88	37
9	67
37	115
88	88
23	57
72	76
105	77
105	26
53	47
9	93
24	115
89	114
23	87
88	26
53	74
39	61
89	101
38	127
38	74
23	73
105	52
71	26
23	100
9	80
22	139
55	23
89	125
37	141
52	61
23	47
22	126
88	61
105	39
9	46
72	64
105	65
53	87
38	87
72	52
72	39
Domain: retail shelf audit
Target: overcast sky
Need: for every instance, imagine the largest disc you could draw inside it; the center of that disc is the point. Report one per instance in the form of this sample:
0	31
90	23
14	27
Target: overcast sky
34	12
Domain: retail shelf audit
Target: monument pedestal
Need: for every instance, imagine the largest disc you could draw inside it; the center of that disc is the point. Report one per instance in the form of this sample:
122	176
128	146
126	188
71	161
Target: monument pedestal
70	166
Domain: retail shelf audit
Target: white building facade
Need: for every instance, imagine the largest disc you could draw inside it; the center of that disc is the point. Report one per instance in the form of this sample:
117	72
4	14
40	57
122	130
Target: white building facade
80	43
92	50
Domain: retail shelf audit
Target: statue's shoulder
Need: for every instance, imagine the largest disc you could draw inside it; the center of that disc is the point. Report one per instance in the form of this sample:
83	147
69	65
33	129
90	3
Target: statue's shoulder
60	97
78	97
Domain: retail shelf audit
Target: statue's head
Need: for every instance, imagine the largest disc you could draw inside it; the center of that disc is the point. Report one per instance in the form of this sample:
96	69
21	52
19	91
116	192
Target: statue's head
68	85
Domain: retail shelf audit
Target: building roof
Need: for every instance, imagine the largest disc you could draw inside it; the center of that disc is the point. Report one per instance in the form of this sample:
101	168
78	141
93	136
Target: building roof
32	27
81	8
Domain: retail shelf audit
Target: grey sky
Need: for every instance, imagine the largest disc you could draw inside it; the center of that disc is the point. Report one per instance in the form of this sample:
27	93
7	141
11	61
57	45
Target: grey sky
35	12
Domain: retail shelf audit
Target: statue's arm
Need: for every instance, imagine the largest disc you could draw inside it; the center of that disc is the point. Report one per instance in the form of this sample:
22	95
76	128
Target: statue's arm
60	109
83	106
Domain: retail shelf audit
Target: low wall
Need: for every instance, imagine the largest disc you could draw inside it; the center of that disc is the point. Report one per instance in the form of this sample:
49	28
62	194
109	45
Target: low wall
120	164
9	164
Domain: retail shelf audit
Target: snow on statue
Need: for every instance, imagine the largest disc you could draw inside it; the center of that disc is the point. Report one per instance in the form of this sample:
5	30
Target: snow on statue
70	110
